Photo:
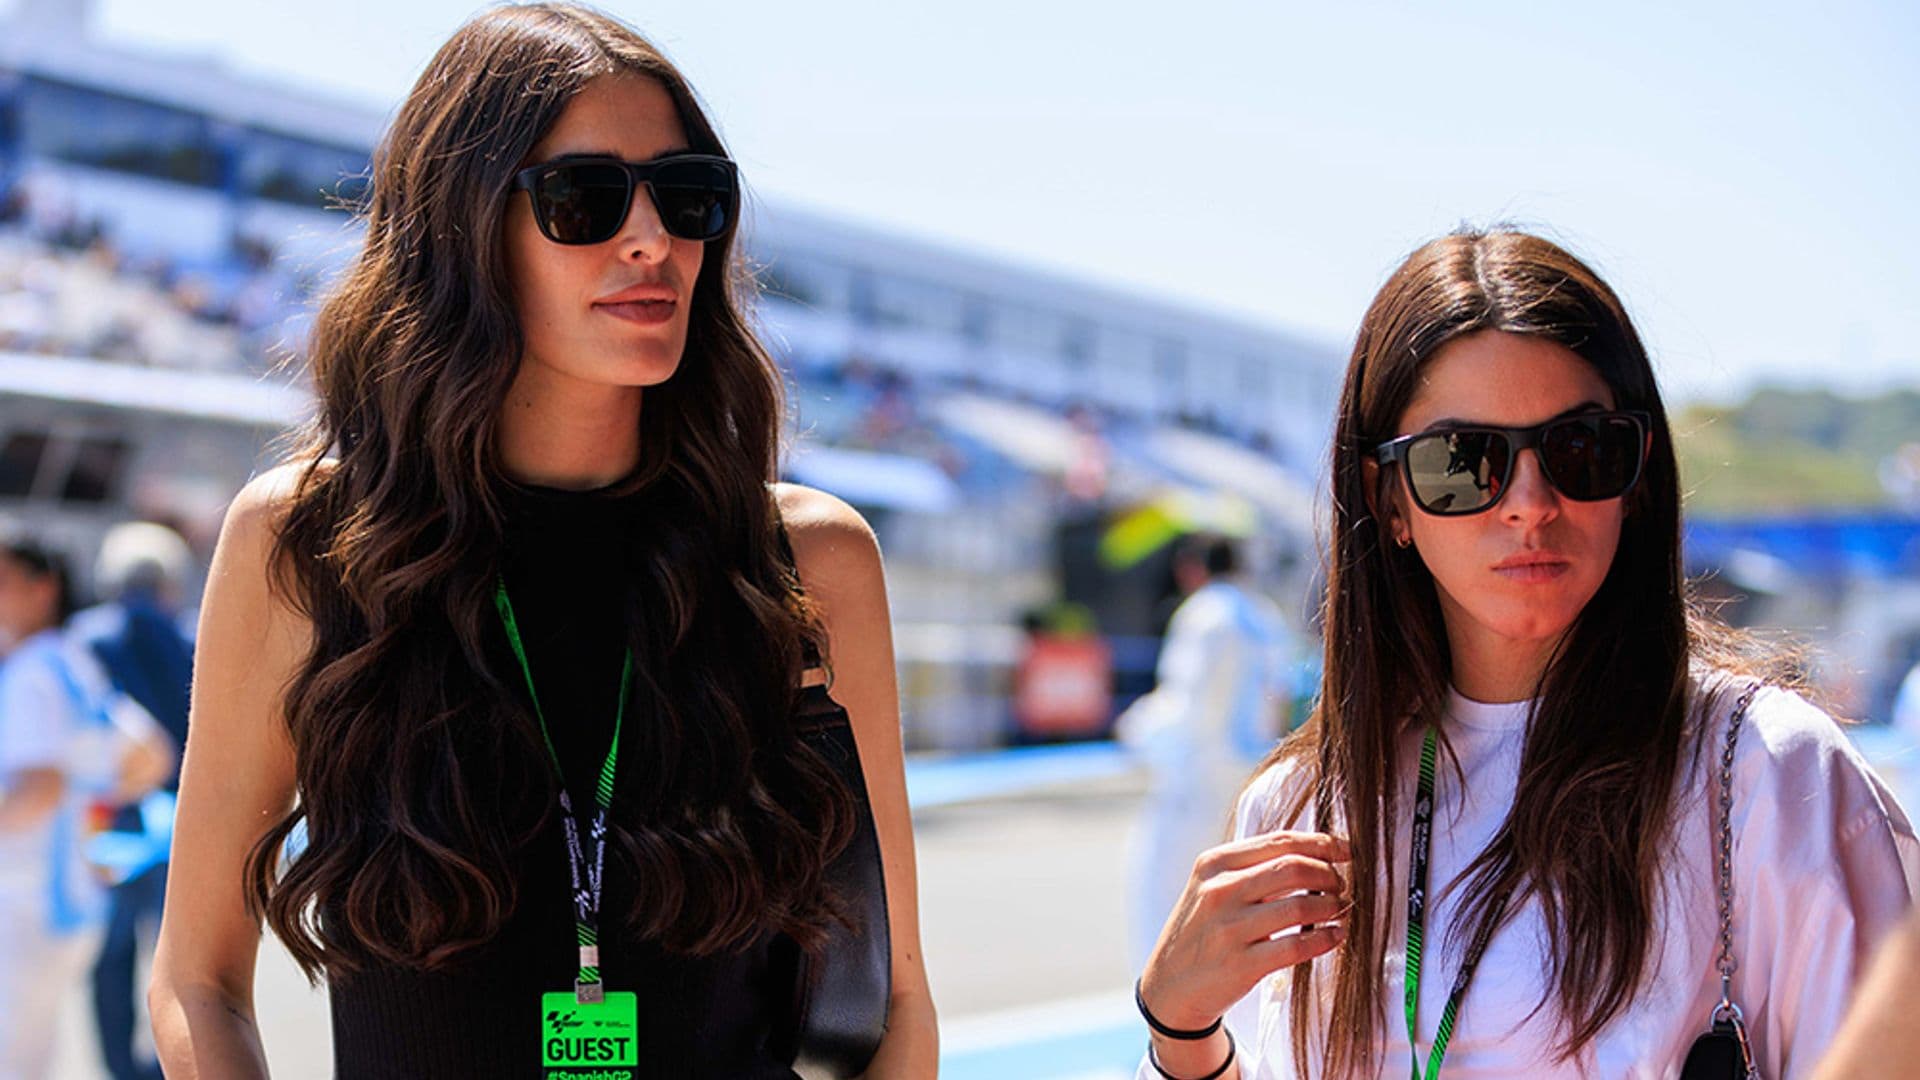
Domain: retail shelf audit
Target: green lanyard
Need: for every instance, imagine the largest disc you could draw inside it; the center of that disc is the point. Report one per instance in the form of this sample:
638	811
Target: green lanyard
588	987
1416	927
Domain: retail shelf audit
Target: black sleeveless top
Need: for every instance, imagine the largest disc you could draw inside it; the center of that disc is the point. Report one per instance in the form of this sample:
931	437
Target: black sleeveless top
724	1016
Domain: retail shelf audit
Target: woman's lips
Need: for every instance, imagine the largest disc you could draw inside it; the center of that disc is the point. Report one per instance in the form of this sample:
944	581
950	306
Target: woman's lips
646	312
1532	570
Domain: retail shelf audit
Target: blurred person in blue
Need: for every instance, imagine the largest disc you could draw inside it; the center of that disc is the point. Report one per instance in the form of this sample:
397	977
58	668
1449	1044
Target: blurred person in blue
68	751
1220	689
143	650
1549	818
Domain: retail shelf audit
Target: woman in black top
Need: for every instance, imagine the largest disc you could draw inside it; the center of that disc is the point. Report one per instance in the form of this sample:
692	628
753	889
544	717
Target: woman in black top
527	607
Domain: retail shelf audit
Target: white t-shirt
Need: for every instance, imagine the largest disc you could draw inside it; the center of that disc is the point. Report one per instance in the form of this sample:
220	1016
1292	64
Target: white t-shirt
1825	864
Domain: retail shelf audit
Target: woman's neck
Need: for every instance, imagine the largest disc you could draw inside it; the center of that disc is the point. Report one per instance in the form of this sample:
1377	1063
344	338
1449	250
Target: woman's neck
563	432
1493	669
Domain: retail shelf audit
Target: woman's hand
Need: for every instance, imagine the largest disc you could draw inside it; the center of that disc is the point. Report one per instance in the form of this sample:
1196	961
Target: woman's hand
1221	939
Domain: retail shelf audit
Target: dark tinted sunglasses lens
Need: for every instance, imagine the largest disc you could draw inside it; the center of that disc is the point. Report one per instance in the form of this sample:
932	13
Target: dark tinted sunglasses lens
1592	457
582	204
1458	472
695	198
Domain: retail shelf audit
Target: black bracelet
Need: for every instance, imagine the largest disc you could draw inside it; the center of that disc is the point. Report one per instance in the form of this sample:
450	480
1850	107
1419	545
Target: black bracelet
1171	1033
1154	1060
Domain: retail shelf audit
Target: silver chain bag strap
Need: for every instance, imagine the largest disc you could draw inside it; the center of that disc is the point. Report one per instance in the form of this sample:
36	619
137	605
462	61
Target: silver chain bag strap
1724	1053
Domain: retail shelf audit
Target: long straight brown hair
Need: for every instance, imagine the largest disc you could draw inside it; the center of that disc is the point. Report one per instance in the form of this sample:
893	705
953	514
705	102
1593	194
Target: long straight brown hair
415	753
1610	729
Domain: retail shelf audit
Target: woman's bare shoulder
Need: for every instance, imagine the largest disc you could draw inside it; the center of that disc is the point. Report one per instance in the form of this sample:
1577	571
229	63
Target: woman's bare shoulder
833	546
809	510
242	561
263	502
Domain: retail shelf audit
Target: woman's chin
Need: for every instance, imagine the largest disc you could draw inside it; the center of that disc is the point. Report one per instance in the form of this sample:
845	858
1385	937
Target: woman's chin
1536	615
638	367
1533	625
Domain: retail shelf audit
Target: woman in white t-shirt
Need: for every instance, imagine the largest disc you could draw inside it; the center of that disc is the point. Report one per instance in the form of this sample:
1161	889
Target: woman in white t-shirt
66	741
1516	685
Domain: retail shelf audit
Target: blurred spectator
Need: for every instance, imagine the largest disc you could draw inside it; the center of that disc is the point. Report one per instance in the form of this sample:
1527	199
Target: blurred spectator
1087	479
1906	705
1212	714
137	638
63	749
13	204
66	289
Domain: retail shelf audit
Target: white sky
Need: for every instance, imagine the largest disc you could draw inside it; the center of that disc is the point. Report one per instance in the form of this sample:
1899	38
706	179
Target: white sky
1745	176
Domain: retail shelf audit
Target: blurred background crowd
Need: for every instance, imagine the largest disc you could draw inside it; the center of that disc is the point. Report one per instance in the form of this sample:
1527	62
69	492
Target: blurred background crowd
1059	470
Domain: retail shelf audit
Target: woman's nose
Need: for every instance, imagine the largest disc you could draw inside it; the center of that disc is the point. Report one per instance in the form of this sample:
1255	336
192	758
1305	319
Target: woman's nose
1530	499
643	238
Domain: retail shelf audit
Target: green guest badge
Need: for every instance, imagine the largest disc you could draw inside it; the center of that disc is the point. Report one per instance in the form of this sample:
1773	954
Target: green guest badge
589	1032
590	1041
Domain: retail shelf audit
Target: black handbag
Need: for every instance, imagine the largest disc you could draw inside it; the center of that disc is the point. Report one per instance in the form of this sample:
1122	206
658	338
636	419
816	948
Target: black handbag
1724	1053
1721	1054
841	997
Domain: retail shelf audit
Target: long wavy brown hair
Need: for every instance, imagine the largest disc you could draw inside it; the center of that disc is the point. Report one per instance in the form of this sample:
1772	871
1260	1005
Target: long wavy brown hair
412	744
1591	815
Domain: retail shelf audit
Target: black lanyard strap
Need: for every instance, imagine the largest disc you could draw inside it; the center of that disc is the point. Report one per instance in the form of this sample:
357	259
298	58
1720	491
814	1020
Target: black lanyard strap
586	876
1416	926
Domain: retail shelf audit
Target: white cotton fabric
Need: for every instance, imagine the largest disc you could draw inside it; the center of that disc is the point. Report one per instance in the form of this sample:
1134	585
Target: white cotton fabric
1825	864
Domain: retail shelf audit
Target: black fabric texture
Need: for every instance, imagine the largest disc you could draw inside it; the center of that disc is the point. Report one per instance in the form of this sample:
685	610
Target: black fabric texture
727	1016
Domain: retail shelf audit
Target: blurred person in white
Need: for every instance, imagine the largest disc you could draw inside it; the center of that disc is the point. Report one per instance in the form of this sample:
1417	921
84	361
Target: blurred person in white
1212	715
65	746
1495	845
142	649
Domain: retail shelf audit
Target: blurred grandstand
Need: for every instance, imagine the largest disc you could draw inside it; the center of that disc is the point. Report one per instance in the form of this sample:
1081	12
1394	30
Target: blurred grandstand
1018	439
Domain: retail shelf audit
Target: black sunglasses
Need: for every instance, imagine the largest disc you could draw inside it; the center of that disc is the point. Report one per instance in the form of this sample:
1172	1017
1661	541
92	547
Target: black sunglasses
1464	470
585	200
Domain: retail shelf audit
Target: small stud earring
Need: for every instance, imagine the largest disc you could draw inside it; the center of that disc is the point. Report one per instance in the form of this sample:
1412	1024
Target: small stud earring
1405	542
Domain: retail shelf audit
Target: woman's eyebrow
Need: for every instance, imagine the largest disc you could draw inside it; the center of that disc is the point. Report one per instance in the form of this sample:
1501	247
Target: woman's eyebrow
572	155
1456	422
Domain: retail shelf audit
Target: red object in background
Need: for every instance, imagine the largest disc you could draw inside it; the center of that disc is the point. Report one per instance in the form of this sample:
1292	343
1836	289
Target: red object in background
99	817
1063	688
